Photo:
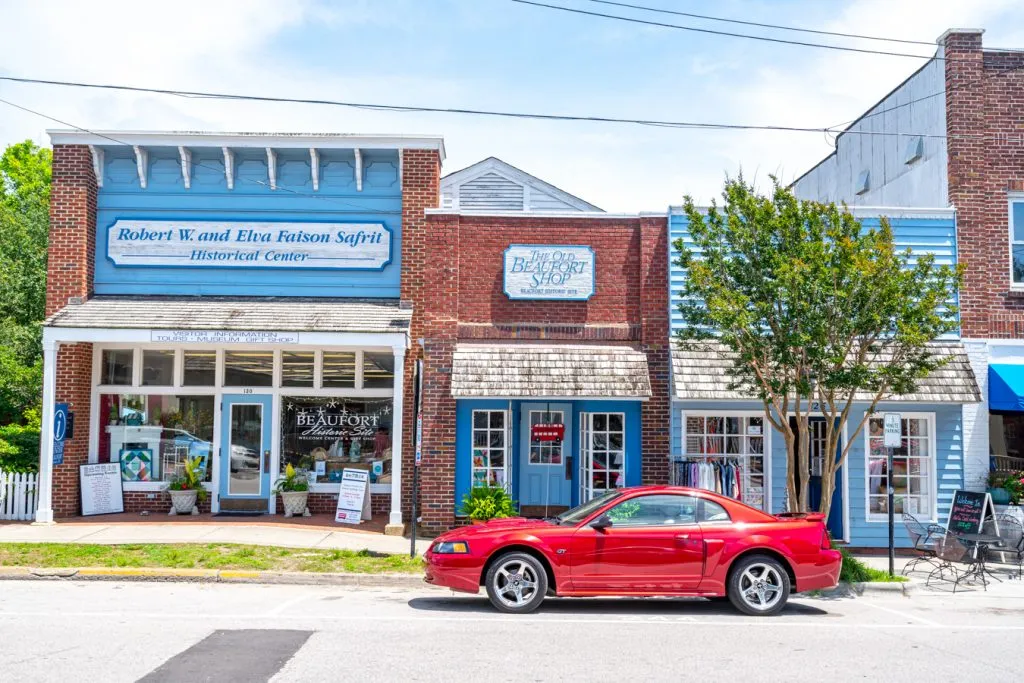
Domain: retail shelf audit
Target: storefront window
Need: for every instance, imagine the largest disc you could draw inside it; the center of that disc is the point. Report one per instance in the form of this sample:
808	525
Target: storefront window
297	369
603	438
157	368
339	370
724	453
325	435
378	370
912	469
490	447
200	368
151	436
116	367
248	368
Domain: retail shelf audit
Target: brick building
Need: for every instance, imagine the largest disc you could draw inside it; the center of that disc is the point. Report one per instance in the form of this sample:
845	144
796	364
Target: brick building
952	137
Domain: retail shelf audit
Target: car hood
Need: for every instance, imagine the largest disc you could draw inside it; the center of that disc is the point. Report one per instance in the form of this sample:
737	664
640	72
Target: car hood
495	526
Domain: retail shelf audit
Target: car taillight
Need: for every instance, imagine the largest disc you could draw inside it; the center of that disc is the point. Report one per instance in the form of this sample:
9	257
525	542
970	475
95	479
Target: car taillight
826	542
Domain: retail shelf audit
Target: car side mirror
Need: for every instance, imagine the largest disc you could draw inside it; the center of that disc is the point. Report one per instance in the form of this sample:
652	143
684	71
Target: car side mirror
601	523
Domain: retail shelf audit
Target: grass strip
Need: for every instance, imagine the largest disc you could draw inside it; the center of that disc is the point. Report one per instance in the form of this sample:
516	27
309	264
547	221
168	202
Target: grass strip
205	556
855	571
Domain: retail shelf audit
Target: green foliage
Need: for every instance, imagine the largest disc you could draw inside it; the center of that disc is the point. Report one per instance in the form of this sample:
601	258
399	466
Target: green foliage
293	480
487	502
1011	482
813	308
19	448
624	511
855	571
191	479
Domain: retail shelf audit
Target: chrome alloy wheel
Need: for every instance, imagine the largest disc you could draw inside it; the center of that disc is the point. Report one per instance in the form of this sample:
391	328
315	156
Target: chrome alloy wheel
515	583
760	586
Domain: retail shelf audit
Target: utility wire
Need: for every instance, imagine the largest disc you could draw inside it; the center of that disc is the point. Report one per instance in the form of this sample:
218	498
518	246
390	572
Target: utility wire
446	110
760	25
194	164
724	33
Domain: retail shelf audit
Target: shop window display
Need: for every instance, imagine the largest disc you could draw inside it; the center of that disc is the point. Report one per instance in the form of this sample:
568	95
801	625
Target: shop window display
911	469
152	436
490	447
724	453
326	435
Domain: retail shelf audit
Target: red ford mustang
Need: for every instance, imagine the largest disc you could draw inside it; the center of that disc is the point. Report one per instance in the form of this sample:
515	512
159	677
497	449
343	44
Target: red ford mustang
644	541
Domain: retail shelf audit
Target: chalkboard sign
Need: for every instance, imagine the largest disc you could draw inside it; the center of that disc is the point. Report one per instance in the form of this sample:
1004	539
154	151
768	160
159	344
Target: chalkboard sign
967	515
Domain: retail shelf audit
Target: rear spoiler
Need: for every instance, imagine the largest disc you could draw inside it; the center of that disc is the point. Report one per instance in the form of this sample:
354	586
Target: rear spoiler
809	516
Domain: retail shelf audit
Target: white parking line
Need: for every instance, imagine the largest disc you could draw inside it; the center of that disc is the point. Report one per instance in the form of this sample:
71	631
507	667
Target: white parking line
898	613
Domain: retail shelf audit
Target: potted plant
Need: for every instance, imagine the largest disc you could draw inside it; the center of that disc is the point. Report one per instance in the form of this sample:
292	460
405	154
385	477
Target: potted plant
484	503
294	489
1000	496
186	488
1013	483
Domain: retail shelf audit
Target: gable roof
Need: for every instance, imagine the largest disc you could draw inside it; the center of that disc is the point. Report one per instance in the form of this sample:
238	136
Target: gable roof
494	185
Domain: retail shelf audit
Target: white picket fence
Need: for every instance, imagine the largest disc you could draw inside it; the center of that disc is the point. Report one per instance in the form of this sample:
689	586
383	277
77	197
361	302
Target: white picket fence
17	495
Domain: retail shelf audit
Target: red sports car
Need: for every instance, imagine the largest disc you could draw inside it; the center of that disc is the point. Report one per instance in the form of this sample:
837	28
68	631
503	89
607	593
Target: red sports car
643	541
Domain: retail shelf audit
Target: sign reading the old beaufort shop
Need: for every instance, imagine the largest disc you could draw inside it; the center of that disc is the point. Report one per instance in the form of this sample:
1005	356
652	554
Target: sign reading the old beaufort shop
234	244
544	271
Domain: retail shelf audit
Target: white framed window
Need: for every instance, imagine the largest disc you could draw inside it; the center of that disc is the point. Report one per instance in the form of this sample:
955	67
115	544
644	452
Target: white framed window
913	468
1016	225
603	447
546	452
726	451
490	448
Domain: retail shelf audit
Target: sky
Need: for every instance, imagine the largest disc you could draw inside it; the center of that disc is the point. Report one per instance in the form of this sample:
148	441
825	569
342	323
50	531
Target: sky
488	54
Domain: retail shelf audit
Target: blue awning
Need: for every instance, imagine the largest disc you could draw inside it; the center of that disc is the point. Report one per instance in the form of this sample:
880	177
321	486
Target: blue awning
1006	387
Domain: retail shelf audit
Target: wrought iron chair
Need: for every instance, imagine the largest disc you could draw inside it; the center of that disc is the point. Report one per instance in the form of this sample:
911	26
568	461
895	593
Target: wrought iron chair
949	551
923	537
1012	533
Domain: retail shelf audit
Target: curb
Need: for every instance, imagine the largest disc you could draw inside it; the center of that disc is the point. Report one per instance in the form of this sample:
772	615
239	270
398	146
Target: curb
859	589
214	576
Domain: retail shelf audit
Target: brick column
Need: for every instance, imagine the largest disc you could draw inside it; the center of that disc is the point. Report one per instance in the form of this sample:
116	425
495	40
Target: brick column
70	270
421	189
656	418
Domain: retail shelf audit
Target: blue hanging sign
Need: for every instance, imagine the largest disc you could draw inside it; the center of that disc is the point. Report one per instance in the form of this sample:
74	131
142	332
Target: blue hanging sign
60	431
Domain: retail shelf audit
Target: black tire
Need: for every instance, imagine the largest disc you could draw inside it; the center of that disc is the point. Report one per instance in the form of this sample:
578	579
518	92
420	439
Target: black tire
759	586
516	583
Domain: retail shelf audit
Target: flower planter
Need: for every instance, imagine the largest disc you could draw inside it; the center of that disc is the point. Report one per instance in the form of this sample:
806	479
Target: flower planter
1000	496
294	503
184	502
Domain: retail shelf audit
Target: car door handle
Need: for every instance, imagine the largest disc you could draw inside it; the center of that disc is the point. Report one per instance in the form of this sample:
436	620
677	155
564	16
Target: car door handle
682	537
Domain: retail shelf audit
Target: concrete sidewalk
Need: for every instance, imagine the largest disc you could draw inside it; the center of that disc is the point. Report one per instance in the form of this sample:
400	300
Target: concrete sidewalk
289	536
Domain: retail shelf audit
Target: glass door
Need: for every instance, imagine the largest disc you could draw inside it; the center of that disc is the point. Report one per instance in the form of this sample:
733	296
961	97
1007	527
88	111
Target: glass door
602	453
245	446
545	467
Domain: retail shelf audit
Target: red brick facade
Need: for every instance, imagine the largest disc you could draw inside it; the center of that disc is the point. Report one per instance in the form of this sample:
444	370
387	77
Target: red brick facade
985	127
69	274
464	300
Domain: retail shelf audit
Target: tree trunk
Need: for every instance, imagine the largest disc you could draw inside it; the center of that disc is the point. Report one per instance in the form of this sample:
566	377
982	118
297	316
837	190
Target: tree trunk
828	485
792	503
803	460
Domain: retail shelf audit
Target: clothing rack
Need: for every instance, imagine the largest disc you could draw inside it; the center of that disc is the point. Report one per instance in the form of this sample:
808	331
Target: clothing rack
730	474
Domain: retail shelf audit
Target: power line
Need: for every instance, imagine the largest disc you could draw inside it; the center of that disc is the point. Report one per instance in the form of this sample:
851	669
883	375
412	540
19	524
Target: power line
445	110
725	33
760	25
195	164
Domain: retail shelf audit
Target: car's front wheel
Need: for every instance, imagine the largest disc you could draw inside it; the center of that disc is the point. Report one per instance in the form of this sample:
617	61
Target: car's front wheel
516	582
759	586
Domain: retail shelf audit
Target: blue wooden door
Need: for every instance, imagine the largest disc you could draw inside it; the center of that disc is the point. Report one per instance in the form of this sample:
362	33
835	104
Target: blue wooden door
545	468
245	446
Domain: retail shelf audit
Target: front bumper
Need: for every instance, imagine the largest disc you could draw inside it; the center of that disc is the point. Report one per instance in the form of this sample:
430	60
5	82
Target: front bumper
458	572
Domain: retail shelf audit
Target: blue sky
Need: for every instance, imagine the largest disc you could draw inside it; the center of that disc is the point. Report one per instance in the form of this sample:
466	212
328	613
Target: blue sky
489	54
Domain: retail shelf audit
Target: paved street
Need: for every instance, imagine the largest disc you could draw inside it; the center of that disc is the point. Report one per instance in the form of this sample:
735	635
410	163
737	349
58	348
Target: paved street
79	631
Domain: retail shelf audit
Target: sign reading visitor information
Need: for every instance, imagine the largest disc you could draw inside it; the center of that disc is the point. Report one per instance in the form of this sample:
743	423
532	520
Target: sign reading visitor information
60	432
968	512
101	488
552	431
223	337
354	497
543	271
237	244
892	425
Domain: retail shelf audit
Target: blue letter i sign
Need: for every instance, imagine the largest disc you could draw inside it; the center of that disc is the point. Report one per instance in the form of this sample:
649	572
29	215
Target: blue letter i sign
60	428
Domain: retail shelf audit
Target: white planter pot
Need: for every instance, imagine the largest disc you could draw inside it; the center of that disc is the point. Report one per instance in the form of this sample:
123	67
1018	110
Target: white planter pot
295	503
183	503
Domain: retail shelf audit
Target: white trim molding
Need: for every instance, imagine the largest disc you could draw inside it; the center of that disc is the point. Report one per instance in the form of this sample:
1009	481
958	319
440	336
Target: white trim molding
314	168
186	166
358	169
229	167
272	168
142	165
97	163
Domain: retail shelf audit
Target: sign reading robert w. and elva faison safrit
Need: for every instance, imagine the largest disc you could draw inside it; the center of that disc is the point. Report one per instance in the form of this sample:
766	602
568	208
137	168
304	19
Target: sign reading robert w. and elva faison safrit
546	271
249	244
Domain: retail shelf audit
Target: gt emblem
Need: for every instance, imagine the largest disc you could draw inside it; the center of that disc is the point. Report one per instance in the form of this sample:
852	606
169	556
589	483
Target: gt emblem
560	551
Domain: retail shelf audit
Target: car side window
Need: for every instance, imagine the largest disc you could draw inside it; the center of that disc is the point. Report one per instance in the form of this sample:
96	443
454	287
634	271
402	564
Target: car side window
710	511
655	510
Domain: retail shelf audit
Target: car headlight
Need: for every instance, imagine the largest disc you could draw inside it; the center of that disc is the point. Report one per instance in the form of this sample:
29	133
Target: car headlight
451	548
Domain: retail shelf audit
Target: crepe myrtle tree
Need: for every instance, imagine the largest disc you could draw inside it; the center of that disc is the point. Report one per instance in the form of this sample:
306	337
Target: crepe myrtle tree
813	312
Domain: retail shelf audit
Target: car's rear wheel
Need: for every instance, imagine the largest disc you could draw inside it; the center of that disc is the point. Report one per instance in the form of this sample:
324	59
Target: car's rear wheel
516	583
759	586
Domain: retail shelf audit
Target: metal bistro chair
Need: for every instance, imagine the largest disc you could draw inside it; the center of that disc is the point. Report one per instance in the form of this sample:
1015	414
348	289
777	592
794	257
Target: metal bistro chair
923	537
950	551
1012	533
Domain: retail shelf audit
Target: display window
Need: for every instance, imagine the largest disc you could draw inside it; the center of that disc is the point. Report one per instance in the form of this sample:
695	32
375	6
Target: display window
913	469
326	435
724	452
490	447
151	436
602	446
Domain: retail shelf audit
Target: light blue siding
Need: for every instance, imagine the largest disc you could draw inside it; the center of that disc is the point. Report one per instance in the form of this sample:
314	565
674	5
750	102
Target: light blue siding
209	199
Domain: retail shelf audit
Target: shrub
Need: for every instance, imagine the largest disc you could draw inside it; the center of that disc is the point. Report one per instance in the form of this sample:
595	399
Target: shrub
487	502
19	448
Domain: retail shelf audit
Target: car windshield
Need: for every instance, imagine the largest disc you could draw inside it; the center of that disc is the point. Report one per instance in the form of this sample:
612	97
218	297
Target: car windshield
578	514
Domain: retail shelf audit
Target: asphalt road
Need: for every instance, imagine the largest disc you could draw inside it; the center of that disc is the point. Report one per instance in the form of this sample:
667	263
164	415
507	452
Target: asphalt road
127	631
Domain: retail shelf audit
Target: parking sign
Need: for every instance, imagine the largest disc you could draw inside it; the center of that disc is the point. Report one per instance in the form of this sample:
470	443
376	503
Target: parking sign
893	430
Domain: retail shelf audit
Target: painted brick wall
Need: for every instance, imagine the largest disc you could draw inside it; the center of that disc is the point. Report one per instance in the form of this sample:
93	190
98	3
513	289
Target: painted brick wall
70	274
463	299
985	120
